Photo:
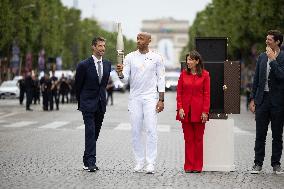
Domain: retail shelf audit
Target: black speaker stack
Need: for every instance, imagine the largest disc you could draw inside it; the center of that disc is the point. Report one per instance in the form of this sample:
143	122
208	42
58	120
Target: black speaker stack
214	53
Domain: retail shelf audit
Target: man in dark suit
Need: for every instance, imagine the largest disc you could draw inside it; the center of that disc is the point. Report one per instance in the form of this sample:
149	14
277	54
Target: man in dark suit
267	101
91	80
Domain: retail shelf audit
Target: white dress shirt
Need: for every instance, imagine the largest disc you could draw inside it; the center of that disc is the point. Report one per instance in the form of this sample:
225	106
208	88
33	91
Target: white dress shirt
266	88
96	64
145	74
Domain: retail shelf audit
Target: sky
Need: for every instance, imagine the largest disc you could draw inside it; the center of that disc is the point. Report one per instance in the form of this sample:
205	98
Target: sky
131	12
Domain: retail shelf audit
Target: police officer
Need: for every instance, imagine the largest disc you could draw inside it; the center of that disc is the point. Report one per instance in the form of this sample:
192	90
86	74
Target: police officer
36	90
64	89
29	85
21	85
46	92
54	91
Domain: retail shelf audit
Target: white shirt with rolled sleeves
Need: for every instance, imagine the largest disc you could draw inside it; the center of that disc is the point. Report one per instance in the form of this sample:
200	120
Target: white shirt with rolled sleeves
145	74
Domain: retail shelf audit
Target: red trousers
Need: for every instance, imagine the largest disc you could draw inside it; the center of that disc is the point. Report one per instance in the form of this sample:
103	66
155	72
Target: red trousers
193	138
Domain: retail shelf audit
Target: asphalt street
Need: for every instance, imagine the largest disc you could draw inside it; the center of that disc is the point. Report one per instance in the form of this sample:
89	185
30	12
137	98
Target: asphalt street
44	150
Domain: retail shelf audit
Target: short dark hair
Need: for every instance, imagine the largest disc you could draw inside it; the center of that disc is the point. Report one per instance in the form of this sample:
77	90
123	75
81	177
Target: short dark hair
277	35
96	39
196	56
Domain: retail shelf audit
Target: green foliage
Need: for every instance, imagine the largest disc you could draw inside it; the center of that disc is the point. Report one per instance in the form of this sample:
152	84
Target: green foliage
37	24
245	23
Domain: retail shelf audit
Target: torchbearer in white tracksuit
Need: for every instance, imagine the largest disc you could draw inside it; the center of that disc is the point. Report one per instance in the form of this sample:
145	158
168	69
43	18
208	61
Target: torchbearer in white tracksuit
145	72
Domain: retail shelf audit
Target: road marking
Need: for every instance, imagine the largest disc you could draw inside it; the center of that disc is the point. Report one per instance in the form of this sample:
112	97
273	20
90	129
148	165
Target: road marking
21	124
127	127
123	126
54	125
9	114
81	127
240	131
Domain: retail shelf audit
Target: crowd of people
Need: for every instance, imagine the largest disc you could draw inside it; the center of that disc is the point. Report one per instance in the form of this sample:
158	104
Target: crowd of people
52	89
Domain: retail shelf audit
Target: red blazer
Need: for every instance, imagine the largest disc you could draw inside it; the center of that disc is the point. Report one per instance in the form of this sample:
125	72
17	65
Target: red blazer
193	95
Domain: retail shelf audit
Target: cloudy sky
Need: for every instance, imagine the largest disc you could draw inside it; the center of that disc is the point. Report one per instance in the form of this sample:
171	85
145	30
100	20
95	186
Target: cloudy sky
131	12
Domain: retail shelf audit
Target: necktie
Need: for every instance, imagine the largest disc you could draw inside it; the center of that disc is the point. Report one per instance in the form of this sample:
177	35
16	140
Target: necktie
100	71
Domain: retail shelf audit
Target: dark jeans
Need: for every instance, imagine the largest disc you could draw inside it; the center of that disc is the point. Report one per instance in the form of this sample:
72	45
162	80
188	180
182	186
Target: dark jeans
47	97
266	113
36	96
29	98
54	98
63	95
22	95
93	122
110	96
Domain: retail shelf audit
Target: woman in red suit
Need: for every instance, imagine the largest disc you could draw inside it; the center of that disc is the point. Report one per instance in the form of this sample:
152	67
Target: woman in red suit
193	102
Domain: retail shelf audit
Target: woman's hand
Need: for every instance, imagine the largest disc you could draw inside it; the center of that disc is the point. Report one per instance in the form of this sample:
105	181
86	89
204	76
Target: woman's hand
204	117
181	113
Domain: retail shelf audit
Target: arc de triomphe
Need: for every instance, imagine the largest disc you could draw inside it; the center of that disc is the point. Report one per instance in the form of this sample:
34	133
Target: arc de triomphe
169	36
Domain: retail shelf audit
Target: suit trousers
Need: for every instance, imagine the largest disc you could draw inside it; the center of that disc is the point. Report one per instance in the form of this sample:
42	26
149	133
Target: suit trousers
143	117
93	122
193	138
264	114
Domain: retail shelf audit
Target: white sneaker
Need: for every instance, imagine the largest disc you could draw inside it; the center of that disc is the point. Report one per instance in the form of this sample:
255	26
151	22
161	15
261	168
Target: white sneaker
138	168
150	169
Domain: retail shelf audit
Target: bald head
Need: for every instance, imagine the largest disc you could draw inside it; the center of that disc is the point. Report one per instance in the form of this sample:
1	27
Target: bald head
143	40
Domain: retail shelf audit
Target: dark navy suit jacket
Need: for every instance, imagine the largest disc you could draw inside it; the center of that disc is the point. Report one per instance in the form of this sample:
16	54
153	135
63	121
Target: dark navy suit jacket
89	92
275	80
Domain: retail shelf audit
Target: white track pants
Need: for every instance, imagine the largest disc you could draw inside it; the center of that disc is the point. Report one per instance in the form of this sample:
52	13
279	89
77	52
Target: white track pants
143	117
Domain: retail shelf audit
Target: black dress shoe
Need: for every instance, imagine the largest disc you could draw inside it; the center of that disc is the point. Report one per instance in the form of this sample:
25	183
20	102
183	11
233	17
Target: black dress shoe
28	109
88	168
91	169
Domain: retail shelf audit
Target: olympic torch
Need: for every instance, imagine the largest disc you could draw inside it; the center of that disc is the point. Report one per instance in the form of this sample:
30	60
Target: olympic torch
119	45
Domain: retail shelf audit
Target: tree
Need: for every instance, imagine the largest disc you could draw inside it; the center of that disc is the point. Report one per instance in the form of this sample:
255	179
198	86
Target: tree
245	23
48	25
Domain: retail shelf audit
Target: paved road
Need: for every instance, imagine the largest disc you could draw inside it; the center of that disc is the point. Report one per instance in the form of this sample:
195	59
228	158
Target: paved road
44	150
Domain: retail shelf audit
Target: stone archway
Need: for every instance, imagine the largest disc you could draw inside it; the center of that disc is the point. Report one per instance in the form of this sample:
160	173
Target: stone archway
169	36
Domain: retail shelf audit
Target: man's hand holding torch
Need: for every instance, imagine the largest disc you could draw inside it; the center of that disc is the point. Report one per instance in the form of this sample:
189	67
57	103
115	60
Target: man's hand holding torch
119	69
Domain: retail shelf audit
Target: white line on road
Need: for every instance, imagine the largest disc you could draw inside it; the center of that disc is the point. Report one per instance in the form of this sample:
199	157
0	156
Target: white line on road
9	114
127	127
21	124
240	131
81	127
54	125
123	126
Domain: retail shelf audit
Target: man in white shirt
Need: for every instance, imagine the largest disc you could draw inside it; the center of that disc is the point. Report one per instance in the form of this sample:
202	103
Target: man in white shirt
145	72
